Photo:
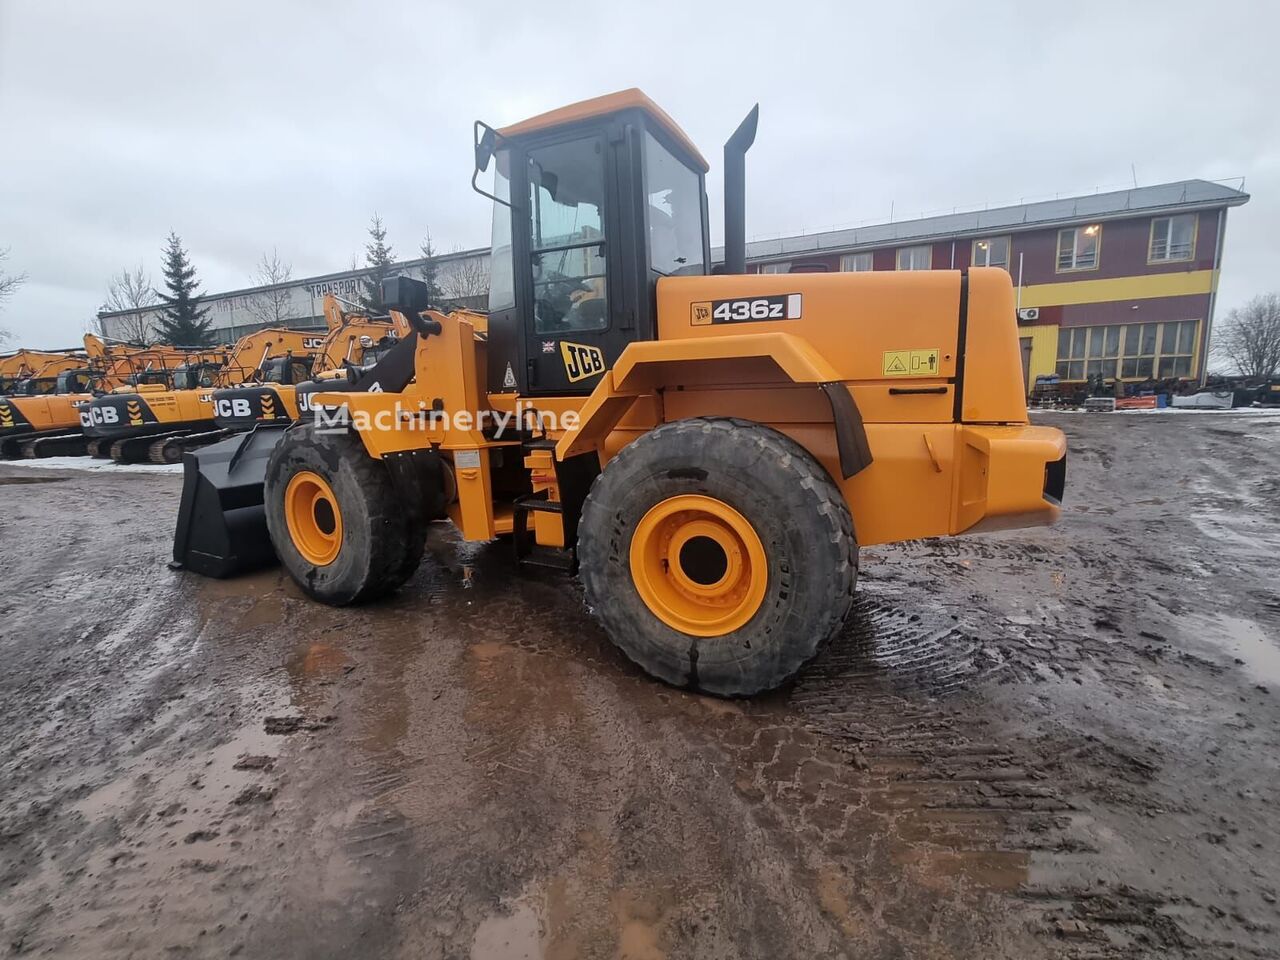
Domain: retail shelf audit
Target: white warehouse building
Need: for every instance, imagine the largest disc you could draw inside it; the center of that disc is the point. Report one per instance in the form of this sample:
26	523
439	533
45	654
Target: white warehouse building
463	278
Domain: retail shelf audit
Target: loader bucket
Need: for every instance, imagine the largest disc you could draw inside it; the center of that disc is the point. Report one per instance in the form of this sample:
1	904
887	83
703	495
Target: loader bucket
222	525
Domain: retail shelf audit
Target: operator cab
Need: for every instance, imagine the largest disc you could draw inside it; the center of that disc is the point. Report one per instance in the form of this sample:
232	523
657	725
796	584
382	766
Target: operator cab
593	203
36	387
74	381
284	370
195	376
150	376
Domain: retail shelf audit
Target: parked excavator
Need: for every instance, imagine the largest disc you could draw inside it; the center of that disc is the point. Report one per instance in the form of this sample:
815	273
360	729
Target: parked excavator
707	449
276	393
19	368
159	423
46	423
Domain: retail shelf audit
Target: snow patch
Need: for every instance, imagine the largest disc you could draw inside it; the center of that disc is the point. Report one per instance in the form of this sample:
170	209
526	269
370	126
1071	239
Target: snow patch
89	464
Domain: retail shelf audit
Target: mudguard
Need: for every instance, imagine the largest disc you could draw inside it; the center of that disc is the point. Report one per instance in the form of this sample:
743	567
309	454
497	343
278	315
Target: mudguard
222	524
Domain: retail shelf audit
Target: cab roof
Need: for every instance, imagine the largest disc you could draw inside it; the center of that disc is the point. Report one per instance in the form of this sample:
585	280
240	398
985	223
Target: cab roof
633	98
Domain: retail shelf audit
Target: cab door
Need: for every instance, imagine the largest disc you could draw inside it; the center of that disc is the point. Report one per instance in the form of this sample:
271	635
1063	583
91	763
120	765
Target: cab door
574	328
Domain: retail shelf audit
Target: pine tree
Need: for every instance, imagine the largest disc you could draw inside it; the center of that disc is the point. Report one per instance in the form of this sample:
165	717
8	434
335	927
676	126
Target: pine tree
182	322
380	262
430	271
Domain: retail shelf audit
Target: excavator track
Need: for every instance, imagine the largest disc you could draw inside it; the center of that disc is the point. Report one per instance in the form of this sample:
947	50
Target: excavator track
56	445
11	447
137	449
170	449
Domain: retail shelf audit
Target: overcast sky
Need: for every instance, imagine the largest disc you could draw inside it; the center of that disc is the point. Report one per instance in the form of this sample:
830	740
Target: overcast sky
245	126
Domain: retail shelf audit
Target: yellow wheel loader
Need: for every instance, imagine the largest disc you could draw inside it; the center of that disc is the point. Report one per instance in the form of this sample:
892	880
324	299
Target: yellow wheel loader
159	422
47	422
281	389
710	449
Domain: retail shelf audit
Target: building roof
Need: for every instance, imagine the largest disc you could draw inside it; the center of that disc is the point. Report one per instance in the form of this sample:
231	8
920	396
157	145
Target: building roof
1119	204
402	265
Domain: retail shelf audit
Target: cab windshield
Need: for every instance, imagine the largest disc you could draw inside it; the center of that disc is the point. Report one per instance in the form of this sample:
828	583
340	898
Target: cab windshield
192	378
272	372
73	381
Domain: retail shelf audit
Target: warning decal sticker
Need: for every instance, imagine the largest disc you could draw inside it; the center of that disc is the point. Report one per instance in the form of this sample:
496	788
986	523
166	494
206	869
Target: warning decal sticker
911	363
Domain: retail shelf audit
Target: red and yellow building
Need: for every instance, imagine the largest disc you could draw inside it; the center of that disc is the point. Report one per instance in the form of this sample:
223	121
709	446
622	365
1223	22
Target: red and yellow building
1120	285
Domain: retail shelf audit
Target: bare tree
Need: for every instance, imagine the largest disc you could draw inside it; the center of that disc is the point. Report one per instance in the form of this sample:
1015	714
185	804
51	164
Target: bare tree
132	291
274	305
462	279
9	284
1249	337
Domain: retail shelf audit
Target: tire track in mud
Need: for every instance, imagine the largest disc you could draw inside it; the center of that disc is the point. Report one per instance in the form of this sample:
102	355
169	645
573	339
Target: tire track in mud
905	697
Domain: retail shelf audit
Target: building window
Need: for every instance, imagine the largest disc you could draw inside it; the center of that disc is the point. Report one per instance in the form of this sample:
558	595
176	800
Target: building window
783	266
1071	342
991	252
1139	360
1103	353
1177	347
915	258
1172	238
856	262
1130	351
1078	248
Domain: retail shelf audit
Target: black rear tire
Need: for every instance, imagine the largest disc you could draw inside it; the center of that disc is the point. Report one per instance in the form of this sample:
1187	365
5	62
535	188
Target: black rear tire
381	543
794	507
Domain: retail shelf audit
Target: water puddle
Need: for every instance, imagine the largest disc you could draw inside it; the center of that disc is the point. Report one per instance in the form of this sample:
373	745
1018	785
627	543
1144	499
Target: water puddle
1257	652
515	933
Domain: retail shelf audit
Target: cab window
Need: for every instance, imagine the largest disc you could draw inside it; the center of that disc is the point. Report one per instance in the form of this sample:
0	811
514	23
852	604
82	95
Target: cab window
675	212
502	291
567	237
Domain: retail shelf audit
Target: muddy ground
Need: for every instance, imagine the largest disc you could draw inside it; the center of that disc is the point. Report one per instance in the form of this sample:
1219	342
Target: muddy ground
1044	743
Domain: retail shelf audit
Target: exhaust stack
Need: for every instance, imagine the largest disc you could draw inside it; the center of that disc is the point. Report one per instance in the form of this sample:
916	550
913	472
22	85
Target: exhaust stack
735	192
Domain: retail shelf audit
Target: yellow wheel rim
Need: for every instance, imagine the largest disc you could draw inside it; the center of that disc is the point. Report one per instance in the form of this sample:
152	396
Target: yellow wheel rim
699	565
314	520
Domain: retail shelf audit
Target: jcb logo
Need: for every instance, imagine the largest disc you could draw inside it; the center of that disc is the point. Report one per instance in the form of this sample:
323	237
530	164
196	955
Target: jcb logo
304	401
232	407
581	362
312	343
100	416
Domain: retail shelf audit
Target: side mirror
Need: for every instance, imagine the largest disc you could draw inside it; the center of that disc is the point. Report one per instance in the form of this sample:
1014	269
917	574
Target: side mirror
484	145
486	142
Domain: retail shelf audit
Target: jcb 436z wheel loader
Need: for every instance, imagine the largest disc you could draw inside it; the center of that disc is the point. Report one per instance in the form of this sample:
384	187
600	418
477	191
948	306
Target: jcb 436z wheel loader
712	448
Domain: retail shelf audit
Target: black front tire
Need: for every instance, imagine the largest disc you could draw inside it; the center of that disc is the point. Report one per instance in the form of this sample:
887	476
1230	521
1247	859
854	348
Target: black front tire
382	544
796	510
